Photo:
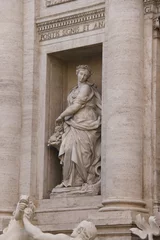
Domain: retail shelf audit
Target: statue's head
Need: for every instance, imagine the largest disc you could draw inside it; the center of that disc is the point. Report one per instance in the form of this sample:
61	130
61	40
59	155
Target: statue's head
85	230
83	72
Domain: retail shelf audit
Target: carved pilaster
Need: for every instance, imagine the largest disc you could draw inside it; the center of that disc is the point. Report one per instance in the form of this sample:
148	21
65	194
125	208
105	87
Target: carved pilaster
121	161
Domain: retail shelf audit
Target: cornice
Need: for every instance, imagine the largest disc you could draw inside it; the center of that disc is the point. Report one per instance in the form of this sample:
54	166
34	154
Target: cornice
72	24
71	20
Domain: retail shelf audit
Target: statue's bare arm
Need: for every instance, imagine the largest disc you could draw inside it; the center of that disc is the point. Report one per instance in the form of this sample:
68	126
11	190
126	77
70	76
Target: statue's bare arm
19	211
82	96
37	234
32	230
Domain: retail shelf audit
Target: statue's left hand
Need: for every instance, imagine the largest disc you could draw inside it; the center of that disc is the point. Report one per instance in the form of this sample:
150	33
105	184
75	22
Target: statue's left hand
28	213
59	120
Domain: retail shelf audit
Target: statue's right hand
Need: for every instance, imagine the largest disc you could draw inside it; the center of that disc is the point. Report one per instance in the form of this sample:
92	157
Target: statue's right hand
59	120
22	206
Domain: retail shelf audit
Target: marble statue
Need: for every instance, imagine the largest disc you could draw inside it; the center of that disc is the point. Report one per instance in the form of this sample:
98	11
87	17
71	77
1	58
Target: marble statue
77	134
145	229
84	231
15	229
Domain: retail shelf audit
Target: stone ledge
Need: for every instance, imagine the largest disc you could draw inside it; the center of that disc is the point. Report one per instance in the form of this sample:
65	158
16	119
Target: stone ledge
115	224
80	202
67	212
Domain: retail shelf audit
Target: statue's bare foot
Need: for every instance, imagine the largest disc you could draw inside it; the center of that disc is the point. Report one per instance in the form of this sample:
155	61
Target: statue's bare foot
60	185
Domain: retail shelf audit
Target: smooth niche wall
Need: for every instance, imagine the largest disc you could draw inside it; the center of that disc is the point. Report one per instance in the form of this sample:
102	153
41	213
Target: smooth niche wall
62	82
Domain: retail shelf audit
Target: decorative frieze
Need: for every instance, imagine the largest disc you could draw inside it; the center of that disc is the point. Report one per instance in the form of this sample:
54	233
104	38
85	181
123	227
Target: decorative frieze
70	25
50	3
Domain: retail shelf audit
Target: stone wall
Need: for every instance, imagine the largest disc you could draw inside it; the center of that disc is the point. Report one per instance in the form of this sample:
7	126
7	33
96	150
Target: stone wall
44	42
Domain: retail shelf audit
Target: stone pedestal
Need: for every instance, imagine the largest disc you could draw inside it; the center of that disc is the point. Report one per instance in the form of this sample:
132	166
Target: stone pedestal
123	107
10	103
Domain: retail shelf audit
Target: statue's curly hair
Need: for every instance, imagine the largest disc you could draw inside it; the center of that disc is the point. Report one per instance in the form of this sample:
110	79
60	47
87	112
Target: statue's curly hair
84	67
87	230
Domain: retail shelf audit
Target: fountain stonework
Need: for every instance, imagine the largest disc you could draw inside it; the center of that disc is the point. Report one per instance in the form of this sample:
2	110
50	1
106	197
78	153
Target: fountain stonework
112	47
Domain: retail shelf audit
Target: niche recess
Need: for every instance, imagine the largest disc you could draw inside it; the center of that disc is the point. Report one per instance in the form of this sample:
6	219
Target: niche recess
61	78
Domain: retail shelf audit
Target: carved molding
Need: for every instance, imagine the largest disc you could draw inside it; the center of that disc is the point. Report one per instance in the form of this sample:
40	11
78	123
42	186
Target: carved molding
50	3
151	6
70	25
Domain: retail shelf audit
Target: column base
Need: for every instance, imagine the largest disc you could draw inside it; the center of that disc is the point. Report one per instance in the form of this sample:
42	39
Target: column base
123	205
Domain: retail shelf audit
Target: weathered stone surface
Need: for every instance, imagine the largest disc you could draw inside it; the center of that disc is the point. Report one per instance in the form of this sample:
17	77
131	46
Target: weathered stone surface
123	106
41	43
11	28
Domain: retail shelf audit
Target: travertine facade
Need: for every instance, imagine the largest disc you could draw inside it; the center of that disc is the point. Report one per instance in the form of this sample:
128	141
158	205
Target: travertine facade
41	43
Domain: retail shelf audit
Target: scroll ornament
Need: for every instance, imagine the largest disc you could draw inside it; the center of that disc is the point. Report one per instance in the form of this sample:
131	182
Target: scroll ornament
146	229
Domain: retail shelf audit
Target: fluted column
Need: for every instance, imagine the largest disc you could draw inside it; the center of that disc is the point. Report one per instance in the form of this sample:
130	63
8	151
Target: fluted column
123	106
10	101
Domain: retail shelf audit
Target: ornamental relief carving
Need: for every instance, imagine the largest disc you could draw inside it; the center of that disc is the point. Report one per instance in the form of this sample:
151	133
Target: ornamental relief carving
50	3
156	23
70	25
151	6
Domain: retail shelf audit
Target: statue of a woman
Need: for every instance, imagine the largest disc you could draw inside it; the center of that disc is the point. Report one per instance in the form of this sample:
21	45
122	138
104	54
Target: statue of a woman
79	148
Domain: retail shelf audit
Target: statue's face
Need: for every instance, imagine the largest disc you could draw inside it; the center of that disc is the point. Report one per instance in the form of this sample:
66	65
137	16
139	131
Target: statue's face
82	75
78	230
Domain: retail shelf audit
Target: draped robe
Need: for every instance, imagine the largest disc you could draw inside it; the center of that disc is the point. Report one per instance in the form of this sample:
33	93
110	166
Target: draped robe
80	148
